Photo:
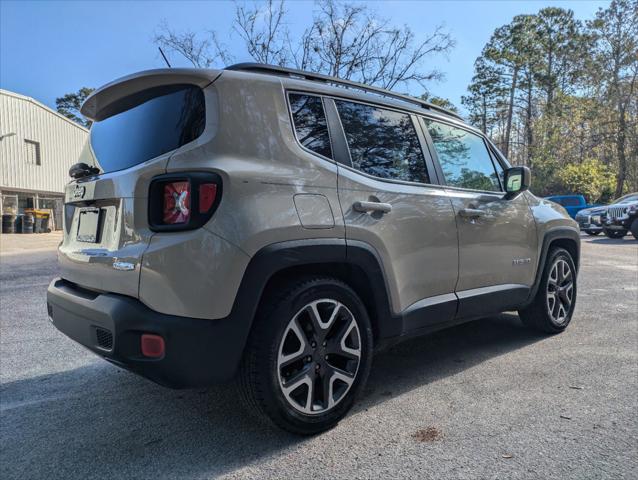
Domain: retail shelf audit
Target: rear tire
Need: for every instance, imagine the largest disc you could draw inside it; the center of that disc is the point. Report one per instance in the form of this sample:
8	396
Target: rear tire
554	303
592	233
308	355
615	233
634	228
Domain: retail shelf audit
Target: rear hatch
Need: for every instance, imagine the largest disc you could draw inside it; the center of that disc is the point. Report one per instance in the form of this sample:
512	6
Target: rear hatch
139	123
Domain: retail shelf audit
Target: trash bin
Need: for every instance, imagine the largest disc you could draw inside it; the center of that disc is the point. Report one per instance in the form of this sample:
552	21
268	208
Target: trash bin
18	223
41	220
28	222
8	223
45	225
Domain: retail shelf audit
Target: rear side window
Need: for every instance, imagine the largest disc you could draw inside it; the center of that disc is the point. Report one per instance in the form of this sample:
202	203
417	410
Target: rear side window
310	123
382	142
166	119
464	158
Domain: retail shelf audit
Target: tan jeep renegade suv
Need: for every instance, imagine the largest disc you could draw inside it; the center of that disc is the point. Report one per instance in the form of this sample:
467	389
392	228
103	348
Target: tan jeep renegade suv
275	227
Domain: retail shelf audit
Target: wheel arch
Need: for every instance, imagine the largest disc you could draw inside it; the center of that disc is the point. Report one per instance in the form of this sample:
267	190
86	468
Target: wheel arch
563	237
356	264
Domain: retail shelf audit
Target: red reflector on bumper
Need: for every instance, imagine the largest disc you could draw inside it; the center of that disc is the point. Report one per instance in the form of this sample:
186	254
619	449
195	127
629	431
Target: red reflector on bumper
152	345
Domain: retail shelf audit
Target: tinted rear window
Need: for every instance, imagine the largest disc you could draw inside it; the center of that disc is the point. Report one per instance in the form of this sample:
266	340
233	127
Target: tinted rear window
310	123
382	142
169	118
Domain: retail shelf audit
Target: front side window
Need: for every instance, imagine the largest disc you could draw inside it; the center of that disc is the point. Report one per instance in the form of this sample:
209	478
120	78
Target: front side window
464	157
160	120
382	142
310	123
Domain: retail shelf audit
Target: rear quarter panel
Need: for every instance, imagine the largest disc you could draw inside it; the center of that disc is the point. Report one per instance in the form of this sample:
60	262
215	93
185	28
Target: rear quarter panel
262	166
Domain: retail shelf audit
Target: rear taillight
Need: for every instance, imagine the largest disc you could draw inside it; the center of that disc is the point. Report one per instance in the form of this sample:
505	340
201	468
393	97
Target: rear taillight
177	203
183	201
207	194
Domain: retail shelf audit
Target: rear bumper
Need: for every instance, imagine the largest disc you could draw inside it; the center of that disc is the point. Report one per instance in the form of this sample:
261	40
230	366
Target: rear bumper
198	352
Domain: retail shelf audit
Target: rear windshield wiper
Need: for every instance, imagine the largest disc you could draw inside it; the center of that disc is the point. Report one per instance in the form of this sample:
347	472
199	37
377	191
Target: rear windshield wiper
81	170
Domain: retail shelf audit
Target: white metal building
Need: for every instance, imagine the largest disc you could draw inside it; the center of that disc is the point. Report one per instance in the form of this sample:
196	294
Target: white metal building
37	147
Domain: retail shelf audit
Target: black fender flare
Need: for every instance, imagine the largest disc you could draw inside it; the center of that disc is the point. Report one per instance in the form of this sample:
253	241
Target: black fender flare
277	257
551	236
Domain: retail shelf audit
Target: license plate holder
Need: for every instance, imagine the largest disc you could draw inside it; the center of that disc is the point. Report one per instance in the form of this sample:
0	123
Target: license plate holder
89	225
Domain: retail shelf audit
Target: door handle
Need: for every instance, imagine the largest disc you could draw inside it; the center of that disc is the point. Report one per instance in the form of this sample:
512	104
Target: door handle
372	207
471	213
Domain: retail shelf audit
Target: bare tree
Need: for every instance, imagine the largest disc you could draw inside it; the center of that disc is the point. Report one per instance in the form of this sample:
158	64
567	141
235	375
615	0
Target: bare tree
203	51
344	40
348	41
263	32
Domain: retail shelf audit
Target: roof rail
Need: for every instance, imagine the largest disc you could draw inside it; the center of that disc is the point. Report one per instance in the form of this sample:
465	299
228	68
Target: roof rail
318	77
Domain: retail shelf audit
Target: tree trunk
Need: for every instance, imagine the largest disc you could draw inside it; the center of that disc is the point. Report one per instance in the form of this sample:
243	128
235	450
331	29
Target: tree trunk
528	125
620	149
484	116
510	113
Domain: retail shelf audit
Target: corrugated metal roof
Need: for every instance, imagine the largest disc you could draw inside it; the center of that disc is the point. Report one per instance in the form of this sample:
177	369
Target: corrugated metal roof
60	142
41	105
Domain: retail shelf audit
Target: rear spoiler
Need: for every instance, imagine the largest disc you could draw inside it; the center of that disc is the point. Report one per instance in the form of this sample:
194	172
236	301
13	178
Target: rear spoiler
120	94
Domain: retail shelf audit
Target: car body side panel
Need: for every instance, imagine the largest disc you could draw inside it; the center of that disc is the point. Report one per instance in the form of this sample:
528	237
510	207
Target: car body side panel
499	248
416	240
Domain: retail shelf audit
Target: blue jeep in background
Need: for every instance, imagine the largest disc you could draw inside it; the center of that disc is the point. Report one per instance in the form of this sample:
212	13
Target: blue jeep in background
572	203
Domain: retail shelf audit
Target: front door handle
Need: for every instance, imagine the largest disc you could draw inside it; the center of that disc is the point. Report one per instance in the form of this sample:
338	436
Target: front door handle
372	207
471	213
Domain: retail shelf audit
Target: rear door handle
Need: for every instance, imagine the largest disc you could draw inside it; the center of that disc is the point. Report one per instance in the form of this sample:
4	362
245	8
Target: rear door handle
471	213
372	207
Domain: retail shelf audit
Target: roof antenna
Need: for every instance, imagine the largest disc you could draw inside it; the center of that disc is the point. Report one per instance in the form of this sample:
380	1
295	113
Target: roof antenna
164	57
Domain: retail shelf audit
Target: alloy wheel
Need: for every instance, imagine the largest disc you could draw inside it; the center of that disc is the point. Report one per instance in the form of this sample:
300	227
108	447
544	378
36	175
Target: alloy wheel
319	356
560	291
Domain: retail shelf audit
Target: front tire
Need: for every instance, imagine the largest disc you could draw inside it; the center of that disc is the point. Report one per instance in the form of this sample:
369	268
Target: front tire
615	233
308	356
634	228
554	303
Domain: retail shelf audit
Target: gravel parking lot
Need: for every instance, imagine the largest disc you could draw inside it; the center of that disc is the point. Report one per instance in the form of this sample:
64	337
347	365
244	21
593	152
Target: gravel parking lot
488	399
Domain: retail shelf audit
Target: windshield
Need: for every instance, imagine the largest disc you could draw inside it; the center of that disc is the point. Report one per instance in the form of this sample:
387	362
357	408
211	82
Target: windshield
166	119
627	199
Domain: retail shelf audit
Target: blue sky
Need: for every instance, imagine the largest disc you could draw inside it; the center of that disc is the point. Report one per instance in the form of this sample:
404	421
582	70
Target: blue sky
48	48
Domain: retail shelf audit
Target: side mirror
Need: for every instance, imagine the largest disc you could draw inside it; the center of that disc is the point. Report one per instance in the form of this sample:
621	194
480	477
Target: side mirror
517	180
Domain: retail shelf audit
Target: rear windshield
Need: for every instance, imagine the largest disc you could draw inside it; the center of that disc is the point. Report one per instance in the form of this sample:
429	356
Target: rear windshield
569	201
168	118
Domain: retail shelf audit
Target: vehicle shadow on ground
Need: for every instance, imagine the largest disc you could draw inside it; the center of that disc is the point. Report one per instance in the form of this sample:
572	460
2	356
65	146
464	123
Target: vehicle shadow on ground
98	420
612	241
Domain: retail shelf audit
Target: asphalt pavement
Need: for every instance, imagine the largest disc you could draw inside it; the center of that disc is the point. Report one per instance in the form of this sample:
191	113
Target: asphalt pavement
488	399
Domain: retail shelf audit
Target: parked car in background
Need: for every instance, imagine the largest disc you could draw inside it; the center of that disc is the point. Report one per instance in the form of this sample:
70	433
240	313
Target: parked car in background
572	203
590	220
621	217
